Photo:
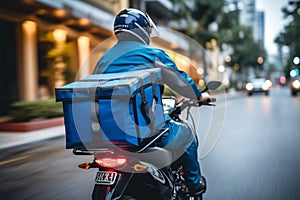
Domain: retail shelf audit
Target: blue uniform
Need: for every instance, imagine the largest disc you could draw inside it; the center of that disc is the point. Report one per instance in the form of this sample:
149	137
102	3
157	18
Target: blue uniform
131	55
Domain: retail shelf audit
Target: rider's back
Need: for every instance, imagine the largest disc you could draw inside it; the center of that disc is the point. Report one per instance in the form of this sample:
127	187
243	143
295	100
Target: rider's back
129	56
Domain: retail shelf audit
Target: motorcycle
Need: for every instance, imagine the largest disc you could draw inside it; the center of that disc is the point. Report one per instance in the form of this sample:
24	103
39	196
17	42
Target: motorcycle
147	172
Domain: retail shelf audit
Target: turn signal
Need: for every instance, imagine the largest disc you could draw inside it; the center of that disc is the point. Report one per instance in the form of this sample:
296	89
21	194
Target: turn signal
139	167
84	166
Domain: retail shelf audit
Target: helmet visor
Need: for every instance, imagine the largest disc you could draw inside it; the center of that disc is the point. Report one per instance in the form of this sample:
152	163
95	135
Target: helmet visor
153	29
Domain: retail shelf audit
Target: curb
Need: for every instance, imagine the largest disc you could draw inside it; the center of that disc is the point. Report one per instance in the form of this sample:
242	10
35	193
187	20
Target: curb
9	139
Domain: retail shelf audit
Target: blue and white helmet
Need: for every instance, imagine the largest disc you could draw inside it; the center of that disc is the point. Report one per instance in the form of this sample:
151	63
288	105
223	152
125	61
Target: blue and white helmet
137	23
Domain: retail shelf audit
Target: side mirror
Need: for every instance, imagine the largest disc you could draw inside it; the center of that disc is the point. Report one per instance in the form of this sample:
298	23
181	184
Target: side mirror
169	104
212	85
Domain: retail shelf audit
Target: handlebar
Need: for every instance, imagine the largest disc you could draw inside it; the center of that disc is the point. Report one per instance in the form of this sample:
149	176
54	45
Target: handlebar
187	104
191	103
82	152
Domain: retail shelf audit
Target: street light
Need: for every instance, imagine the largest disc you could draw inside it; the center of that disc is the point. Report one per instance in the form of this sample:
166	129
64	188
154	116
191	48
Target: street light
227	58
60	35
260	60
294	73
29	27
296	60
221	68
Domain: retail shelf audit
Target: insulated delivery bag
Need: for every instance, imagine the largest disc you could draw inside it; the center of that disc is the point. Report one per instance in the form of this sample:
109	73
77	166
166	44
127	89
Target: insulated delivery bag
122	108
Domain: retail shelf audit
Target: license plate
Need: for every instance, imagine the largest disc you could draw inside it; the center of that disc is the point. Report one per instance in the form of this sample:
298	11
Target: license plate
105	178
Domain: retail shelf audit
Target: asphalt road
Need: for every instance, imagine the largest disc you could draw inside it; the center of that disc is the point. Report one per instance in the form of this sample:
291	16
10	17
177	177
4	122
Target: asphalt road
256	156
44	171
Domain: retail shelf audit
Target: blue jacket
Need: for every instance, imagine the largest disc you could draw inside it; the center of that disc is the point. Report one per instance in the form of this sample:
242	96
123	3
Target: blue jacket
131	55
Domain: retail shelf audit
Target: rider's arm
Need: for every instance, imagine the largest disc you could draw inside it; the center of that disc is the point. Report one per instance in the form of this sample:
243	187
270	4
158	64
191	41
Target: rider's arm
177	80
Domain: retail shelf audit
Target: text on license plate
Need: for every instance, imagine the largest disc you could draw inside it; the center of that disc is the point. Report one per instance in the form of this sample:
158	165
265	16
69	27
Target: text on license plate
105	178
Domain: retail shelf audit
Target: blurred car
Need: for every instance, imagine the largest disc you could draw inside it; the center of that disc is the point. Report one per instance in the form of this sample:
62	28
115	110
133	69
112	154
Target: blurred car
295	85
258	85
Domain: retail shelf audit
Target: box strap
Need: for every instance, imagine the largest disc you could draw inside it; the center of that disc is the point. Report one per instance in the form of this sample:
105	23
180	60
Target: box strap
95	119
155	97
149	114
154	103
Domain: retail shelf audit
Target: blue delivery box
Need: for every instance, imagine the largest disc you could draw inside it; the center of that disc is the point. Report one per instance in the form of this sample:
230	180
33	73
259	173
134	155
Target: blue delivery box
118	108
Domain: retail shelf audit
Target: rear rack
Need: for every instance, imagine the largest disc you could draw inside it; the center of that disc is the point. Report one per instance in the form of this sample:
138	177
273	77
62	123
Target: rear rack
108	146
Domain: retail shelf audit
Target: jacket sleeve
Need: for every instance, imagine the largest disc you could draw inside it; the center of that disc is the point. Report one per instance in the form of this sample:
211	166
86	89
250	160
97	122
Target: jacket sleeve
177	80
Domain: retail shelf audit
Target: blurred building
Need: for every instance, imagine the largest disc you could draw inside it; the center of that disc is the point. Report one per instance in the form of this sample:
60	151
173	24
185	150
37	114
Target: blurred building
44	42
259	30
247	12
250	16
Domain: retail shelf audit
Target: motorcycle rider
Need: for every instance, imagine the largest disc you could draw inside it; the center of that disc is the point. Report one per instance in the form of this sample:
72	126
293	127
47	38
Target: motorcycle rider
133	29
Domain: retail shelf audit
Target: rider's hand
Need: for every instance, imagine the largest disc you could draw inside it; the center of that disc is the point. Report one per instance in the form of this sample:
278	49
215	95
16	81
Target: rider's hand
205	97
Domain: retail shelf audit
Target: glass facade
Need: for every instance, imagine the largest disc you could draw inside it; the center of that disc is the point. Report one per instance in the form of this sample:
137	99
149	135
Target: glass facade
8	65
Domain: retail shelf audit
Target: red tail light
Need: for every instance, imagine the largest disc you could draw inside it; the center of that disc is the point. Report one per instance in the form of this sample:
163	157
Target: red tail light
111	162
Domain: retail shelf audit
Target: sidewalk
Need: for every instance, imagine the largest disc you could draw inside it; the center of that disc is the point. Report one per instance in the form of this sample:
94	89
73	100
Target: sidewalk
13	139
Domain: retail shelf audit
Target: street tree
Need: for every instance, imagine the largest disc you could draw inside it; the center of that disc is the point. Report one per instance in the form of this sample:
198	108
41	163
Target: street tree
208	20
290	35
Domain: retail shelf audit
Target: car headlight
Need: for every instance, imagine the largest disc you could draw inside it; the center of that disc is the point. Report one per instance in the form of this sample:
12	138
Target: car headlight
249	86
269	83
266	85
296	84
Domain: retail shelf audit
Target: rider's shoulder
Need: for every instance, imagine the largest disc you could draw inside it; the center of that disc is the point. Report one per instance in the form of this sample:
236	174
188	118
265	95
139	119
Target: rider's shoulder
157	50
